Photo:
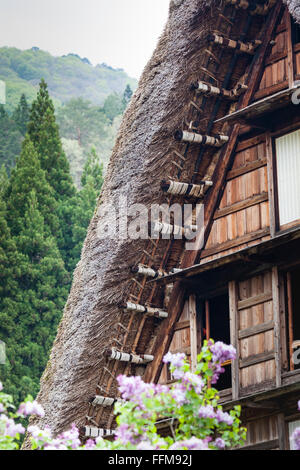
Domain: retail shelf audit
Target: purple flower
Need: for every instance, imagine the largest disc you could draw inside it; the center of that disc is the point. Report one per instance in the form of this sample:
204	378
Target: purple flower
190	444
131	388
296	439
90	445
159	389
299	405
38	433
193	380
177	374
11	428
145	445
31	408
179	394
207	412
70	437
176	360
222	352
125	434
224	417
219	443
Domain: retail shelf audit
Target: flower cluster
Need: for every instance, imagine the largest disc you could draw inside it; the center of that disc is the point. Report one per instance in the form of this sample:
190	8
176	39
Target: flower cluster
185	406
10	428
220	353
31	408
296	439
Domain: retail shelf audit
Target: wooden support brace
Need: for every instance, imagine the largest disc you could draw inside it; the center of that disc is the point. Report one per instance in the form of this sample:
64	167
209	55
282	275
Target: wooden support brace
210	90
185	189
238	46
192	137
99	400
167	230
148	272
151	311
90	431
113	354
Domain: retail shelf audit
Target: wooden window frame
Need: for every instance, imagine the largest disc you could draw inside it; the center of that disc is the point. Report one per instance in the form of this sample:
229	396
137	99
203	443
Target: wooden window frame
275	227
207	315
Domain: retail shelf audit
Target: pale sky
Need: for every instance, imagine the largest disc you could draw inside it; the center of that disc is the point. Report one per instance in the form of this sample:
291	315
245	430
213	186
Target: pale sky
121	33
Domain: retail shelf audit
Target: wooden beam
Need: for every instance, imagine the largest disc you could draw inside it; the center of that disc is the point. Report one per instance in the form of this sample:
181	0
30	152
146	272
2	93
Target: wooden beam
276	312
207	319
238	206
257	359
290	318
281	431
164	336
254	330
246	169
236	242
182	325
268	445
233	315
290	54
193	330
271	184
256	299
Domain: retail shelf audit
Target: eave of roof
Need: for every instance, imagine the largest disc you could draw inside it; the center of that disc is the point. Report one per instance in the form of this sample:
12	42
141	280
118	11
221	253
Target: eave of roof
254	251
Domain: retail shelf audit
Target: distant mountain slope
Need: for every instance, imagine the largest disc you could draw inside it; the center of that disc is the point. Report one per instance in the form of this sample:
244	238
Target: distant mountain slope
67	77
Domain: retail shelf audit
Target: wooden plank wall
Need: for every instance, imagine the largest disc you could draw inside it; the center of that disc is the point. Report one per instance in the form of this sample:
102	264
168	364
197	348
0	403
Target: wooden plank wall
262	433
256	332
243	214
275	77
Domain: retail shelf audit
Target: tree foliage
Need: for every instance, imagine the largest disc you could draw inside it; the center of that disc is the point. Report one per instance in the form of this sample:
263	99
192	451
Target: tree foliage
43	223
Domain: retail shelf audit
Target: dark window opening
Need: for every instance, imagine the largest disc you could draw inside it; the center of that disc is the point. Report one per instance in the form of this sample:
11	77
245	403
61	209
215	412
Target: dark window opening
295	32
213	316
293	314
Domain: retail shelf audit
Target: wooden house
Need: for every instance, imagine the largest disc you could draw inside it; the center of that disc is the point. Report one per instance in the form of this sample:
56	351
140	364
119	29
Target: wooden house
215	121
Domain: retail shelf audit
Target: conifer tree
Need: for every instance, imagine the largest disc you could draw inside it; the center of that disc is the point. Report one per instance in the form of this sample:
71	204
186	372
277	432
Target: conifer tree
4	180
10	295
29	327
91	182
43	132
21	115
26	176
10	139
127	95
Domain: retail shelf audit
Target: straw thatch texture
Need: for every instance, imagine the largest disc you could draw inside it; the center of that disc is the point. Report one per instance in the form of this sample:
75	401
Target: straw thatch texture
138	164
294	7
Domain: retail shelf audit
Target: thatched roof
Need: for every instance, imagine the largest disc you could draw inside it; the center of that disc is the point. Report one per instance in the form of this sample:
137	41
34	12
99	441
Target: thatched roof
141	158
294	7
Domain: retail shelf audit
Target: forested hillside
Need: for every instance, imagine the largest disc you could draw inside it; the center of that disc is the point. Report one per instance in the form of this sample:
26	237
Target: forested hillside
67	77
55	143
89	102
43	222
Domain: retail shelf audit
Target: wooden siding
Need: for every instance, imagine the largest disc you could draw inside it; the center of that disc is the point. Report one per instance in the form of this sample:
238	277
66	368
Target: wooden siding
255	325
275	76
262	433
243	213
